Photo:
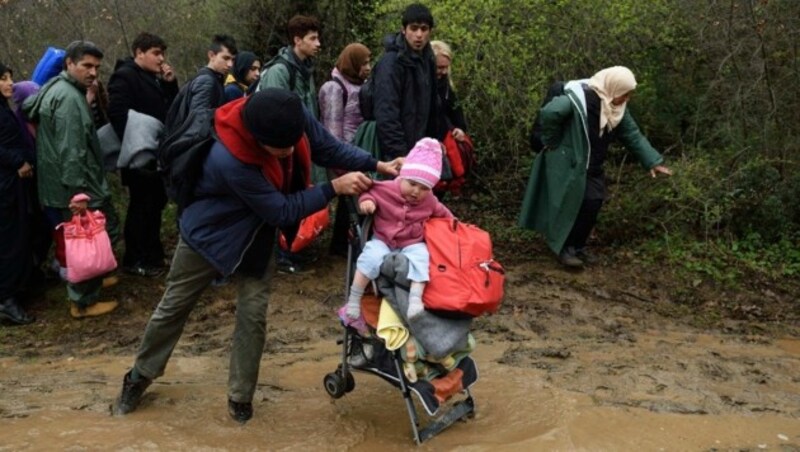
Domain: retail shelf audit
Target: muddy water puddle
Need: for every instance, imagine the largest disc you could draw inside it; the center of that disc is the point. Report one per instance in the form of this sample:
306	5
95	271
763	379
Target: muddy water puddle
62	404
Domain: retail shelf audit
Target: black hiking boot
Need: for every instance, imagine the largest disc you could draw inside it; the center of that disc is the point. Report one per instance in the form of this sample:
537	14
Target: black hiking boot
130	396
240	412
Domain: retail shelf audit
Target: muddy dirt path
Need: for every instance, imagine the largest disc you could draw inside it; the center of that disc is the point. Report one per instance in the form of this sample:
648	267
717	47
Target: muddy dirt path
584	361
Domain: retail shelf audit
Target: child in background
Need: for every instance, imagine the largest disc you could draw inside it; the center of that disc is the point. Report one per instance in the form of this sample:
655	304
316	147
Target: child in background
401	207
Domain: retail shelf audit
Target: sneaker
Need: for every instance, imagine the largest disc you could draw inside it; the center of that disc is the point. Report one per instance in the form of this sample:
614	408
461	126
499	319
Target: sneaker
361	354
142	270
130	396
586	256
240	412
93	310
110	281
568	258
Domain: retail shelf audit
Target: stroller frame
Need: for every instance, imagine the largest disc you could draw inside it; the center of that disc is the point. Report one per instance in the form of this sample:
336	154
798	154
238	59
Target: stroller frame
341	381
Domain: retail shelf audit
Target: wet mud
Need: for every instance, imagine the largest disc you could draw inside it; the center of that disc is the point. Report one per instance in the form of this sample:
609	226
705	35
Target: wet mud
587	361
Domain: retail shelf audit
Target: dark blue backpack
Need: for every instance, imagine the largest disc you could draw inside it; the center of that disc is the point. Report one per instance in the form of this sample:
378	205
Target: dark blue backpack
556	89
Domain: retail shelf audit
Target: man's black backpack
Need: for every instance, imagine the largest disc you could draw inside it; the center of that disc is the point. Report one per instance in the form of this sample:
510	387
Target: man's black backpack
556	89
182	154
366	99
366	96
188	137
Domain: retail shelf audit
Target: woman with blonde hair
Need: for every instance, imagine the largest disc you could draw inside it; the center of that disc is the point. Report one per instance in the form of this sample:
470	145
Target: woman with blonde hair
451	116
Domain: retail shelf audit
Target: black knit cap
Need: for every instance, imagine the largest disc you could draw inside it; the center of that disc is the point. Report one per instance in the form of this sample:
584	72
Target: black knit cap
4	69
275	117
417	13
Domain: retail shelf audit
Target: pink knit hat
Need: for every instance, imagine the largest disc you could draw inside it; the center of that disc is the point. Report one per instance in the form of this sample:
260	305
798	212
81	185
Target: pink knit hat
424	163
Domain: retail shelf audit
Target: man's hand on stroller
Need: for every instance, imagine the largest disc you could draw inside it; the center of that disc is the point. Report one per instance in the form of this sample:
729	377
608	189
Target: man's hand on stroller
353	183
391	168
367	207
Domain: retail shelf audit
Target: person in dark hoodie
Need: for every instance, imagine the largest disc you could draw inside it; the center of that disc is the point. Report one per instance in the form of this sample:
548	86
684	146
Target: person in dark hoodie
17	207
405	85
146	84
246	72
254	182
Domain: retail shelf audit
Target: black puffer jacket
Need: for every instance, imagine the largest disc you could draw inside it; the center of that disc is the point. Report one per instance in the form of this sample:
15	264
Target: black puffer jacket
131	87
405	96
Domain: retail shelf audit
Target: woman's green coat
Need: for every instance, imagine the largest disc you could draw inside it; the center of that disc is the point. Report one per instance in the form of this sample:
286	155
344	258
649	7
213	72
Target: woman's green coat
557	182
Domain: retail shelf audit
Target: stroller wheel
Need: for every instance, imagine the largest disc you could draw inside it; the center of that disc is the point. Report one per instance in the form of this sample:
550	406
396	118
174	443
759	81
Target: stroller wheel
335	385
349	382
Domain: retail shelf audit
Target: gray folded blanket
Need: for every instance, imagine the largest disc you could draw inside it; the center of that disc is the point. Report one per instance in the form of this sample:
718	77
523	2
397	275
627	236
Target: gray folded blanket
140	143
439	336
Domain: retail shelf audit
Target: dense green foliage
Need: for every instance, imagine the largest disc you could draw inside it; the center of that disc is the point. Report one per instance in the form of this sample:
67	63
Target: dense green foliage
718	94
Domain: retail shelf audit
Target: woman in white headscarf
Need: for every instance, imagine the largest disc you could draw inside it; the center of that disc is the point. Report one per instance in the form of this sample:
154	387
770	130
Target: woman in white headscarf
566	188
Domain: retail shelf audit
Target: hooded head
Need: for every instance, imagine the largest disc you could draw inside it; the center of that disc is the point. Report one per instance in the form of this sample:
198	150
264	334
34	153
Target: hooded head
612	85
351	61
242	65
274	117
23	90
424	163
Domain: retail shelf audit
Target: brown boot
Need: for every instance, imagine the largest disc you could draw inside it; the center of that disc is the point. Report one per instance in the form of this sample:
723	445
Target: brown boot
110	281
93	310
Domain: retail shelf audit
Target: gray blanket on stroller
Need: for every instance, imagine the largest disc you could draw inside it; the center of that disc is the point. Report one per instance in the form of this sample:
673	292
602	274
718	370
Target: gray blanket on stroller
439	336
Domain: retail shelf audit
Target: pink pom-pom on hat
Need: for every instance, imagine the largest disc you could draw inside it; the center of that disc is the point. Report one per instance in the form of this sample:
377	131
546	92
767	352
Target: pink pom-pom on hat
424	163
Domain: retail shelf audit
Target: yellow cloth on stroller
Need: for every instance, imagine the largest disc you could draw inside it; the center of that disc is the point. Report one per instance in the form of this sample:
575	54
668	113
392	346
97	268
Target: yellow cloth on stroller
390	327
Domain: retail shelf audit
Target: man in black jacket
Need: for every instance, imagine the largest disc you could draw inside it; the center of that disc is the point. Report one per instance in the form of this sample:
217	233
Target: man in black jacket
405	85
147	85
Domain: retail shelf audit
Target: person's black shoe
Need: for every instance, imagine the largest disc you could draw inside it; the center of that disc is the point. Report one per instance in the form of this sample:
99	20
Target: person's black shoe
12	312
586	256
143	270
131	395
288	266
569	259
240	412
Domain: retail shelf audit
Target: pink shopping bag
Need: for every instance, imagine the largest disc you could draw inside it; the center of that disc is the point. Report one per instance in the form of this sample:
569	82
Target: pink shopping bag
87	247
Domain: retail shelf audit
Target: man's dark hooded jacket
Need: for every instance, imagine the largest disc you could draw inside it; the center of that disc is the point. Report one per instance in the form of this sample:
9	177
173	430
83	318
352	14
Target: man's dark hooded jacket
405	96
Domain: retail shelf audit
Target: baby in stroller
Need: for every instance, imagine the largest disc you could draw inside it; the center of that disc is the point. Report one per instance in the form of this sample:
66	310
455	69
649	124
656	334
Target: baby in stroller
391	335
400	208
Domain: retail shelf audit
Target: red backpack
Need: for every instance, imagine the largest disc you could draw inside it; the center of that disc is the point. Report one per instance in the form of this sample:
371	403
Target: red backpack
465	280
461	157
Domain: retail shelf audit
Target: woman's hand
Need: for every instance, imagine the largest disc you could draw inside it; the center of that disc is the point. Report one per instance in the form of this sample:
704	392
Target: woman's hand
367	207
26	170
391	168
459	134
660	169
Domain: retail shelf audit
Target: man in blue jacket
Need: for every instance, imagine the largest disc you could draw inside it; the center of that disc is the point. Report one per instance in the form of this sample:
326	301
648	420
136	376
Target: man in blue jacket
254	182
